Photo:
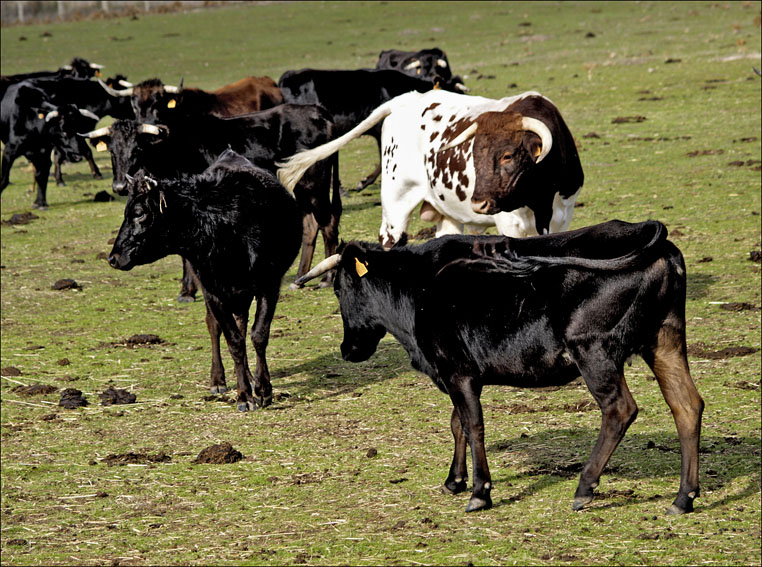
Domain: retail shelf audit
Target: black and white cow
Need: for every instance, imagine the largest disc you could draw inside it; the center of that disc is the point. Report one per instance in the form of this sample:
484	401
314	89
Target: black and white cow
474	162
240	230
351	95
548	309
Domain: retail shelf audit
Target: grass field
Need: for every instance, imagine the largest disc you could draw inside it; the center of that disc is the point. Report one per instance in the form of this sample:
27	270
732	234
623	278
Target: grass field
345	467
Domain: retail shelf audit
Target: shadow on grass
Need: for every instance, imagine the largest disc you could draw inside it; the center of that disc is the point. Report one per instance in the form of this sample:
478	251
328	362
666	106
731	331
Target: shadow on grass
558	455
698	285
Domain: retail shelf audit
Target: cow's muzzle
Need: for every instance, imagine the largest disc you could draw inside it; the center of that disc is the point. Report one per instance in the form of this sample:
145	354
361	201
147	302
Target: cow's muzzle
485	207
119	262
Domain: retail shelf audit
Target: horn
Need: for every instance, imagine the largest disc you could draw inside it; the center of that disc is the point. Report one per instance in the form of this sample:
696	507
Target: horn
539	128
464	136
149	129
67	68
441	63
85	112
413	65
51	115
171	89
462	88
95	66
126	84
321	268
114	92
105	131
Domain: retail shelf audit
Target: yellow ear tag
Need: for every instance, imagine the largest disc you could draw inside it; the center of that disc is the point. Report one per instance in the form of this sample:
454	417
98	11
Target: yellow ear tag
172	103
360	267
538	151
98	73
101	146
40	116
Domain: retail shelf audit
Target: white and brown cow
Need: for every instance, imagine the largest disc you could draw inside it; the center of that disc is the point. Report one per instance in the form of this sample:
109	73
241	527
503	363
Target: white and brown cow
473	162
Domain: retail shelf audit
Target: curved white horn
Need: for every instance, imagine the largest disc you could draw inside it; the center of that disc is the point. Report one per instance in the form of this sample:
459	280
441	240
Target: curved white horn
85	112
171	89
464	136
68	67
126	84
539	128
441	63
95	66
114	92
321	268
413	65
149	129
50	115
105	131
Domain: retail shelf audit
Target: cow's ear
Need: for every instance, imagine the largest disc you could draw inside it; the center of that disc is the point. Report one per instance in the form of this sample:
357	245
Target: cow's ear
355	261
101	144
533	144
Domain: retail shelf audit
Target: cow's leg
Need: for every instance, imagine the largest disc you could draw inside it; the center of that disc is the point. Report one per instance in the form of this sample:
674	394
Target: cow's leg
669	363
446	225
9	156
456	480
618	408
370	178
188	285
218	385
41	163
398	201
229	322
331	230
260	337
88	154
57	160
464	393
309	235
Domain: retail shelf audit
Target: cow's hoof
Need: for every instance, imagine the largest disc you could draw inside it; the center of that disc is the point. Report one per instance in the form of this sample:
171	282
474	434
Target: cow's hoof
60	184
40	207
476	504
683	504
325	284
295	286
454	487
580	502
185	298
219	389
264	402
97	176
247	406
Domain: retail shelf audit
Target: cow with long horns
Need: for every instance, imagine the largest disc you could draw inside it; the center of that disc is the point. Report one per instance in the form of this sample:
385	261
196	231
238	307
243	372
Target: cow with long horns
547	309
472	161
430	64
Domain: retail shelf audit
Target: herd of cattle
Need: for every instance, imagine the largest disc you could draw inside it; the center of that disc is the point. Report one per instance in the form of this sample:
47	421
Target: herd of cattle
237	180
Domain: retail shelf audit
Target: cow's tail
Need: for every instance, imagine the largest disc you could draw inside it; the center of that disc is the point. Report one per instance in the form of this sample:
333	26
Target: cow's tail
506	261
291	170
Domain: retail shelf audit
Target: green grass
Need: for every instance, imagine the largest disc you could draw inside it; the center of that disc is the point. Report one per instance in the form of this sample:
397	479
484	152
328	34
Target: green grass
345	467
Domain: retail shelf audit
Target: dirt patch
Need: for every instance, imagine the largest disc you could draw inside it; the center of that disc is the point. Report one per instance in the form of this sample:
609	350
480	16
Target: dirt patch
10	371
425	233
700	350
116	396
137	341
34	390
755	256
218	455
20	218
72	398
103	197
65	283
696	153
738	307
136	459
742	385
628	119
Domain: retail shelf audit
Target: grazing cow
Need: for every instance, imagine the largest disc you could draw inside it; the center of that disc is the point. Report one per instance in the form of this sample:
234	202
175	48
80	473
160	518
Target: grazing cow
32	126
431	64
350	96
262	137
473	161
157	103
240	230
78	68
563	305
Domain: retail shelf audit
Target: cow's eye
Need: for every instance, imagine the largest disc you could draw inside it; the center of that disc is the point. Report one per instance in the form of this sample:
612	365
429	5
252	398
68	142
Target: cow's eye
506	158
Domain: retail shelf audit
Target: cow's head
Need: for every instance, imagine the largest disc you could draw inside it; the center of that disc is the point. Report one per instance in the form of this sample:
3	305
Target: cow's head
507	147
142	236
82	69
354	272
133	146
152	101
62	126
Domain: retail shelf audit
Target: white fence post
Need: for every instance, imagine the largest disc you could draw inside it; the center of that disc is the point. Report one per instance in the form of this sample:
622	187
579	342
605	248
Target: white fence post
104	5
61	10
20	5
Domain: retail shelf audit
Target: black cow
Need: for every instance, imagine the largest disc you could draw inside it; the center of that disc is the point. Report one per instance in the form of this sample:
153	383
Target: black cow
32	126
262	137
430	64
531	312
350	96
240	230
78	68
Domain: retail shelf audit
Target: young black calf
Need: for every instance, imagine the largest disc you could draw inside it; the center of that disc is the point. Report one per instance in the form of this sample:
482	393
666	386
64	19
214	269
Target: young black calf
531	312
240	230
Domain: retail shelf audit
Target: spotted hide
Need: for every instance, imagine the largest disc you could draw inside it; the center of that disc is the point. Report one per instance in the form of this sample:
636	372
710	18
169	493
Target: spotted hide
471	162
